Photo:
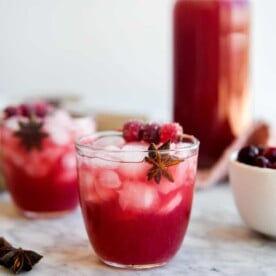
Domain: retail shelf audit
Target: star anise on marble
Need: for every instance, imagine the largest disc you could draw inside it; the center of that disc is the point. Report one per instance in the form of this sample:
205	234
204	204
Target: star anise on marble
17	259
4	247
161	160
31	134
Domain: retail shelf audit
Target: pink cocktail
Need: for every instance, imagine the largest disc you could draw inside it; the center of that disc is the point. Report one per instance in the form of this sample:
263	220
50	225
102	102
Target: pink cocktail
39	163
134	218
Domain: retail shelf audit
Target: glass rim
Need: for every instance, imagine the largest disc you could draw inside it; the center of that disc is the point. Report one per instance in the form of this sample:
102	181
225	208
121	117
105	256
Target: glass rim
187	146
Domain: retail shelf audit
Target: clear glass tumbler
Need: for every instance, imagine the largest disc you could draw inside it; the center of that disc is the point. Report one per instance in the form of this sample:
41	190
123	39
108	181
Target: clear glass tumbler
136	199
39	159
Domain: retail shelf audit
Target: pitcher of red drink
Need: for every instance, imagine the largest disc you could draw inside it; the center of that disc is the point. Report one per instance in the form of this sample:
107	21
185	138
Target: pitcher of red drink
211	57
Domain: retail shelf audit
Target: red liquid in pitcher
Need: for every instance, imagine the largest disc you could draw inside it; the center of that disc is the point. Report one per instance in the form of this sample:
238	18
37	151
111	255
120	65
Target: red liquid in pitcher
211	72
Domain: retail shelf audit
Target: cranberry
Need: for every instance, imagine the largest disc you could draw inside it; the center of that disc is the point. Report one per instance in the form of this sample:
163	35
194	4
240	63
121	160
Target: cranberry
41	109
248	154
132	130
151	133
262	162
10	111
170	131
26	110
270	153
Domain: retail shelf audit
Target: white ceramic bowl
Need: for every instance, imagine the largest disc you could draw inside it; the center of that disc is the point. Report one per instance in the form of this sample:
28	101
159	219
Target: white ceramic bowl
254	192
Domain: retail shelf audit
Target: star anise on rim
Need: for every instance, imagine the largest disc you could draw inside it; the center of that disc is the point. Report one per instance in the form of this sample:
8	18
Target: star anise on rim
31	134
17	259
161	160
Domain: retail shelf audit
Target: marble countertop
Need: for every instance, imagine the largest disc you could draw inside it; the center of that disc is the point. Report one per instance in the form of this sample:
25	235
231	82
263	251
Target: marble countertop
217	242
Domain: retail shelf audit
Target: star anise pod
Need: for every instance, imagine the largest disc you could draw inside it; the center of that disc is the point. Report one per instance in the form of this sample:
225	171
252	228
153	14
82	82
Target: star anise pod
17	259
31	134
161	161
4	247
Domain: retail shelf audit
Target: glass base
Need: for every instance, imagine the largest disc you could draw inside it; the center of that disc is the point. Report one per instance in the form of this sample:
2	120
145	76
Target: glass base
44	215
133	266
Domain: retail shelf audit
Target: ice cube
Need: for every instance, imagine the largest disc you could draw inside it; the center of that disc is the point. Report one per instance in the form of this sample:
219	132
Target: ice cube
12	123
165	186
138	197
67	175
60	136
111	153
186	171
91	195
183	174
171	204
133	152
109	179
59	118
87	185
69	160
134	171
86	179
39	163
59	127
105	193
104	142
103	161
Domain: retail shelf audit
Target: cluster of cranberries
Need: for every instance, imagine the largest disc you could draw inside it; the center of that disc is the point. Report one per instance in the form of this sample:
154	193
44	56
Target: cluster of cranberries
39	109
136	130
263	157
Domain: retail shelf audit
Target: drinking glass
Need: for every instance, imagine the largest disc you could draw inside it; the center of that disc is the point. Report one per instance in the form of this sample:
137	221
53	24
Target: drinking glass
136	207
39	161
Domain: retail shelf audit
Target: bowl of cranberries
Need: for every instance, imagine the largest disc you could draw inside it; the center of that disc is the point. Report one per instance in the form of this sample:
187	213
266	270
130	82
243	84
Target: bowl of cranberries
252	173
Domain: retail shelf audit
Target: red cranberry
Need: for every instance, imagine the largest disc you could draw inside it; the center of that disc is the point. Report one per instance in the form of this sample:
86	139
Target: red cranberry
170	131
26	110
151	133
270	153
248	154
132	130
10	111
41	109
262	162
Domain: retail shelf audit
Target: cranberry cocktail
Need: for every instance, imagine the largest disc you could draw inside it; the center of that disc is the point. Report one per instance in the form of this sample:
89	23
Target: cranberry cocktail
136	190
39	163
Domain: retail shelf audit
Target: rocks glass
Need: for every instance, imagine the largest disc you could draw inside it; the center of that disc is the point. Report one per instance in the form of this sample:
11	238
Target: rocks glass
136	201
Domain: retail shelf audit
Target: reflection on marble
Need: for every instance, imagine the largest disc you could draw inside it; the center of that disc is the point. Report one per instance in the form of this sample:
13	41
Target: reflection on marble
217	242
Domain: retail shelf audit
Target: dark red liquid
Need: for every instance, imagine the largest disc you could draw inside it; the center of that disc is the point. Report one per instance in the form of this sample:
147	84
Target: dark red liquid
42	194
135	237
211	47
40	181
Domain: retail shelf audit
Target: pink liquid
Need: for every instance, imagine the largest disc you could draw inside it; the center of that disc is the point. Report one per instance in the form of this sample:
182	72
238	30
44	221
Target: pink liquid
211	48
40	181
132	221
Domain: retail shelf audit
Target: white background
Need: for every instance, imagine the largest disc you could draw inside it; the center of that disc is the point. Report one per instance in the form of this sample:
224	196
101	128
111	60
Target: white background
115	54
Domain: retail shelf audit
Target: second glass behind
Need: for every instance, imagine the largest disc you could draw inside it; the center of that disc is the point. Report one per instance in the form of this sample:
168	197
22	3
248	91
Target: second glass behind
39	160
